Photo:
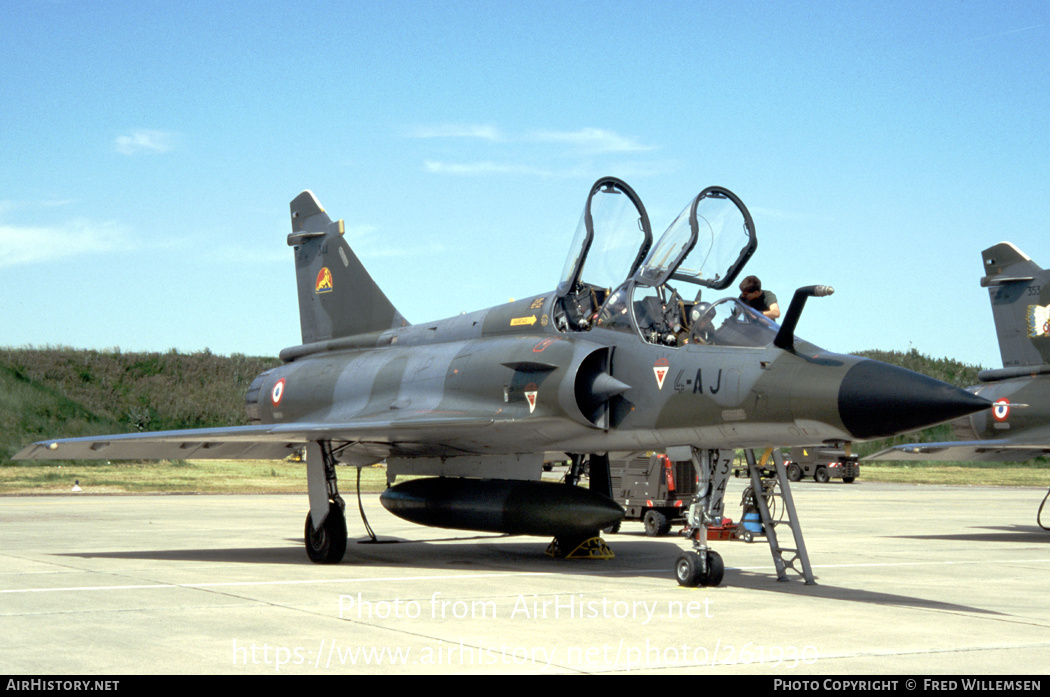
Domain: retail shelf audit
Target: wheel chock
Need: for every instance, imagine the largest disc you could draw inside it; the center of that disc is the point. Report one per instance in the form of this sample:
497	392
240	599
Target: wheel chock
593	548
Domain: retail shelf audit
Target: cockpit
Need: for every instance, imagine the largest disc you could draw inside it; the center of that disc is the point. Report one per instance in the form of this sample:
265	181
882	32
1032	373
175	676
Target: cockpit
617	279
675	322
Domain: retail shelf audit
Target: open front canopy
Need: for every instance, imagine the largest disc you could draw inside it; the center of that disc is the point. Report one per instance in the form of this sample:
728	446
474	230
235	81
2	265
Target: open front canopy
611	239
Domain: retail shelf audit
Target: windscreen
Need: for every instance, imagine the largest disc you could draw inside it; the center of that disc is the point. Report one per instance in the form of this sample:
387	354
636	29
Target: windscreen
730	322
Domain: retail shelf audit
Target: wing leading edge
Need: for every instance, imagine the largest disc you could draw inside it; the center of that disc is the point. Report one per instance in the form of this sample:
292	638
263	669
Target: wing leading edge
251	442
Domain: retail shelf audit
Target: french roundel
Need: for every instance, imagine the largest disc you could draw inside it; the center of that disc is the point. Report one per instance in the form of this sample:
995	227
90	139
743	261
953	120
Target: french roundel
278	392
1001	409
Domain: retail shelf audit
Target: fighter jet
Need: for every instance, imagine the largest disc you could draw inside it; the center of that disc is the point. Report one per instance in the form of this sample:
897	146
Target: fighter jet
1018	425
622	356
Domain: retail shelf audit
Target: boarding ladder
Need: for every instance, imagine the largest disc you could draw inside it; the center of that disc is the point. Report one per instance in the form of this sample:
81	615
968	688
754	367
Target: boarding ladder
762	496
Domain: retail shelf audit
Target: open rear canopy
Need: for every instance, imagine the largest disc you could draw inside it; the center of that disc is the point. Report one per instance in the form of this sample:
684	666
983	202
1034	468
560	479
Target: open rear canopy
708	244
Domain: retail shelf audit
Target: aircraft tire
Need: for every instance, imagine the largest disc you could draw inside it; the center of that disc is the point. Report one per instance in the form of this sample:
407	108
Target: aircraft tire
656	523
794	472
687	569
848	480
327	545
821	475
716	570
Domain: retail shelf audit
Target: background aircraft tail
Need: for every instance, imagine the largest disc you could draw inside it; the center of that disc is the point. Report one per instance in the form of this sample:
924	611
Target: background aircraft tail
337	296
1019	290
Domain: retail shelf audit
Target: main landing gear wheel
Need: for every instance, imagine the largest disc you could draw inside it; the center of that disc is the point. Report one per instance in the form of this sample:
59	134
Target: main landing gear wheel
328	544
689	573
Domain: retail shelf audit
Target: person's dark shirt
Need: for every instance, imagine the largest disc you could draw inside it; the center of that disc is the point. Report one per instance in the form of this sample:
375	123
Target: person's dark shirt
763	302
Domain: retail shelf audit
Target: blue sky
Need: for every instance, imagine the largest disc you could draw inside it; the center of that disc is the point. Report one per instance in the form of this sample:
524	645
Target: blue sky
148	152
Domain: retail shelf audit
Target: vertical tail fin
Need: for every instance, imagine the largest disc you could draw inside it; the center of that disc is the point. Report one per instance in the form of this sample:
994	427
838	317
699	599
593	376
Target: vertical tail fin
1019	290
337	296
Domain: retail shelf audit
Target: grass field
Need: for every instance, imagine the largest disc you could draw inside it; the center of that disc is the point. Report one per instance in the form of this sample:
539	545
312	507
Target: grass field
194	476
273	477
960	474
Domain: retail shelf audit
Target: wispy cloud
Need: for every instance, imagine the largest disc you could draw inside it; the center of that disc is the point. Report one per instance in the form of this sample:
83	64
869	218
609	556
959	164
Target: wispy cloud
25	244
145	141
368	243
548	153
586	169
592	140
487	167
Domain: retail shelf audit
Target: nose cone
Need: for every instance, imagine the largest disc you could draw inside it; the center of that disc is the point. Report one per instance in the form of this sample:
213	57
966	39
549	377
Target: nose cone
878	400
